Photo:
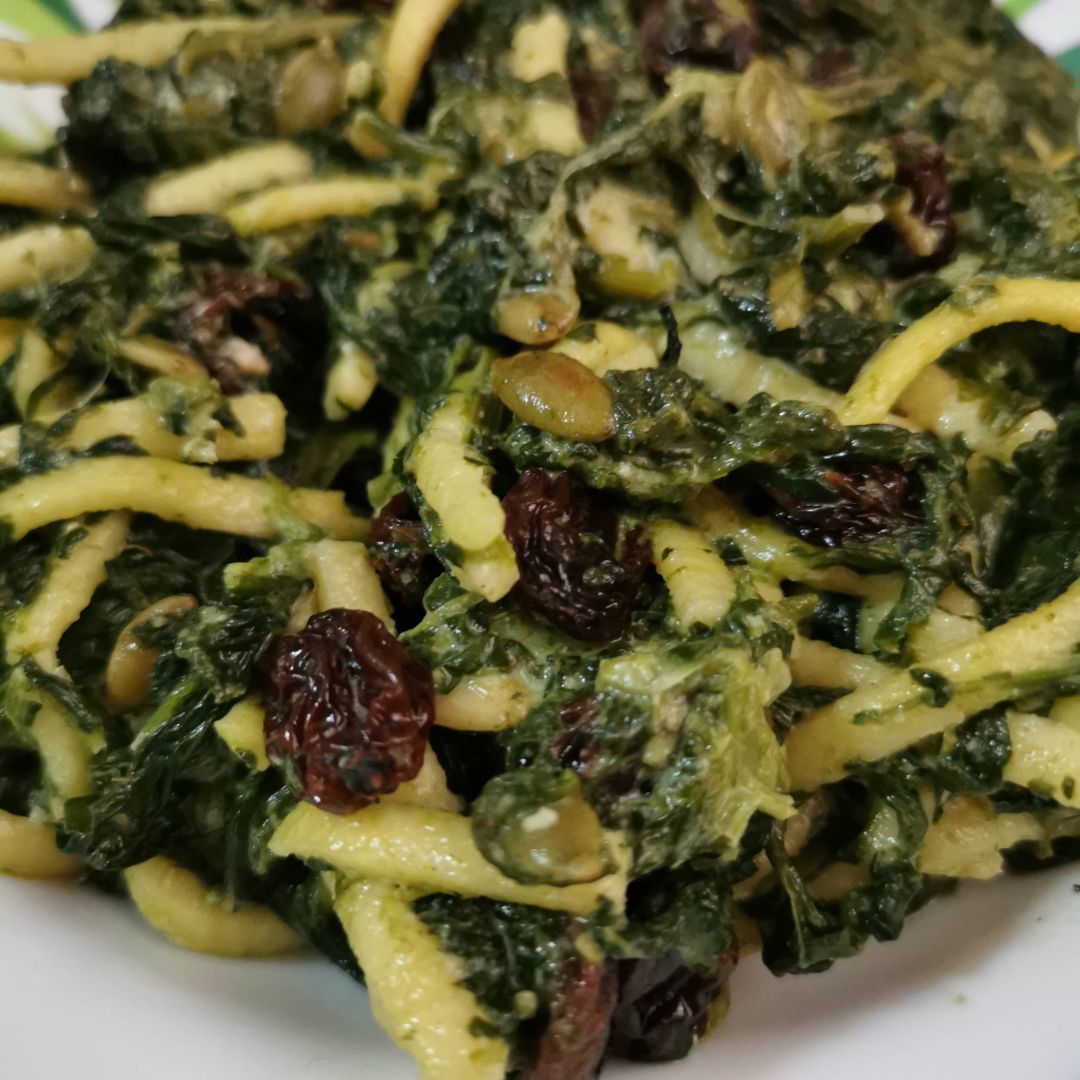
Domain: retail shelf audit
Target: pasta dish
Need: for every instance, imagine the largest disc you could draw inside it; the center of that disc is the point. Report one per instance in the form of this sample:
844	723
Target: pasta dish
541	502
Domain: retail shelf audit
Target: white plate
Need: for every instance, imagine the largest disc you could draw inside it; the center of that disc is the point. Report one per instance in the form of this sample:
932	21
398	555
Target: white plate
981	985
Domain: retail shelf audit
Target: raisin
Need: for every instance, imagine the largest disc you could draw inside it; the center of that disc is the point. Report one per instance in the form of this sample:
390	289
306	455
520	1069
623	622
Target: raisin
663	1006
567	544
232	308
348	710
871	501
601	757
400	551
920	167
593	91
698	33
833	65
579	1019
575	747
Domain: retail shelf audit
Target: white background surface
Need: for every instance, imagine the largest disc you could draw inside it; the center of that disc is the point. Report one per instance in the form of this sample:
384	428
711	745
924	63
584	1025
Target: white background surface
983	984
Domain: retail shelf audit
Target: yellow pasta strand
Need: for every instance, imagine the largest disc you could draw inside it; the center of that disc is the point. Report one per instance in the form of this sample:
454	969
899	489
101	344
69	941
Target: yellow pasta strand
35	630
605	346
11	330
772	552
25	183
241	729
261	418
415	988
454	479
186	494
491	573
539	48
940	633
28	849
427	788
205	189
1045	757
66	754
344	577
938	402
41	253
69	583
431	850
967	840
816	663
894	367
486	702
314	200
350	382
415	27
35	363
161	358
713	354
884	718
701	586
177	904
63	59
1066	711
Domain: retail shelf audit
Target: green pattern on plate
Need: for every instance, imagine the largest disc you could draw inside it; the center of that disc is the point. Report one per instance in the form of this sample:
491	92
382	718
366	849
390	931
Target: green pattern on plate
1017	8
62	10
1070	61
38	17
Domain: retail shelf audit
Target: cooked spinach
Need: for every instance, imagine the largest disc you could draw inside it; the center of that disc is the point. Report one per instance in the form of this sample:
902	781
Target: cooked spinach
671	437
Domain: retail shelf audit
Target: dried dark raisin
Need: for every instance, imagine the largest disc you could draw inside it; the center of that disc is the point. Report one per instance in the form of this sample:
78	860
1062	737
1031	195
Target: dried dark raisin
400	551
209	327
606	758
834	64
579	1019
698	33
866	501
664	1005
348	710
920	167
573	573
593	91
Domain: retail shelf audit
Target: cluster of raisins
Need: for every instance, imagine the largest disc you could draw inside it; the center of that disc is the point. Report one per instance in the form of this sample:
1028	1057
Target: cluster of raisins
872	501
695	33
